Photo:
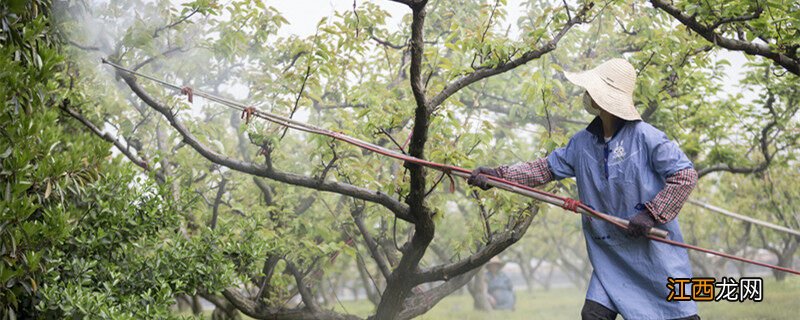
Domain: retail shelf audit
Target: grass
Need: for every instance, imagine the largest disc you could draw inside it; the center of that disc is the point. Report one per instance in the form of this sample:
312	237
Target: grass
781	301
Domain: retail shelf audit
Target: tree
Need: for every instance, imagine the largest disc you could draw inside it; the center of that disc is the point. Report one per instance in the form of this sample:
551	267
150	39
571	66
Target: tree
77	223
735	26
402	273
266	214
777	205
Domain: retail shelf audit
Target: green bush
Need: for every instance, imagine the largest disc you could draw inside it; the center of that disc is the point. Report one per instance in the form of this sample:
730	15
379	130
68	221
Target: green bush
82	233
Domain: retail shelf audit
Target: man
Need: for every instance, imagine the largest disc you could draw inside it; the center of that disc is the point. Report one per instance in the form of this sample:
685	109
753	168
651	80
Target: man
626	168
499	286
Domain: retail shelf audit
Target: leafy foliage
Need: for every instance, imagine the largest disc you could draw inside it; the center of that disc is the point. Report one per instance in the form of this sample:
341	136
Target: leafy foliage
82	233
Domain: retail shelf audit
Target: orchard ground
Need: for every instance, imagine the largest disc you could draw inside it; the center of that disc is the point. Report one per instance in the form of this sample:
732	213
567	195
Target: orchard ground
780	302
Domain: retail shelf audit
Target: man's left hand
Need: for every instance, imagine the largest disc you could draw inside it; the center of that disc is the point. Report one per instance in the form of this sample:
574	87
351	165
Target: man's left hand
478	177
640	224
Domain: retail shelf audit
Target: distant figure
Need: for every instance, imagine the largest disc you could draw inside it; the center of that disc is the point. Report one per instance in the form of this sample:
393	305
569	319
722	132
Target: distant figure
501	291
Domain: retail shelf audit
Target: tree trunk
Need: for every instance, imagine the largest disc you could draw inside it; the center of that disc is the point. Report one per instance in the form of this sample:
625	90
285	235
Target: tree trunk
786	259
370	288
525	269
197	307
699	263
477	289
223	309
354	290
225	314
549	279
182	302
577	275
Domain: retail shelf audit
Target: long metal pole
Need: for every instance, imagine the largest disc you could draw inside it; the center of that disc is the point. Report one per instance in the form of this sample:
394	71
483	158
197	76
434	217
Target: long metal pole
744	218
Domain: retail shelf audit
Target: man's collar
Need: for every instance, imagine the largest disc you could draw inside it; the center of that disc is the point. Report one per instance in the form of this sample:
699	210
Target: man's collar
596	128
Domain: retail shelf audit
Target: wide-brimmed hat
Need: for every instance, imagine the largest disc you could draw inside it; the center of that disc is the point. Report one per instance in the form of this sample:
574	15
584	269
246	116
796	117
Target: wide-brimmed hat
611	86
495	261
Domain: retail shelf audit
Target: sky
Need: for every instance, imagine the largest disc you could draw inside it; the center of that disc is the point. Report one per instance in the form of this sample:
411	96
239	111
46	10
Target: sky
303	15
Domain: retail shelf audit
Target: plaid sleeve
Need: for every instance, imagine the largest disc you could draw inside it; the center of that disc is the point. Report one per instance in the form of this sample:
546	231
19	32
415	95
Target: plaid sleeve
668	202
532	173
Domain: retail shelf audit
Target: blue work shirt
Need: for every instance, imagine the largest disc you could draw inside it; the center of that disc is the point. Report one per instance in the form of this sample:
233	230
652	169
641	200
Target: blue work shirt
616	177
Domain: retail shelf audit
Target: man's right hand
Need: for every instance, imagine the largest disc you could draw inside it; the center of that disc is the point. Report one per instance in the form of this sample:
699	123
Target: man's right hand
478	177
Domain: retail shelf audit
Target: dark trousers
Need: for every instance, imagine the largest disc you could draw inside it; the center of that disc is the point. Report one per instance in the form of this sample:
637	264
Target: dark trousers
595	311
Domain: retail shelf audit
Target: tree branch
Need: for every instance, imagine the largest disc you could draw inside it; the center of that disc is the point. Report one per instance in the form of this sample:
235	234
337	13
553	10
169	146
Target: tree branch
261	311
496	108
269	269
299	95
747	17
398	208
405	2
265	190
423	302
486	72
751	48
370	285
498	243
123	148
372	245
217	201
417	50
165	54
385	43
172	25
764	147
305	293
83	47
221	303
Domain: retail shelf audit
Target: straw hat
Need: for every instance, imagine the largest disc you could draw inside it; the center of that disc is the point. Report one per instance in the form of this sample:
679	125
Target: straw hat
495	261
611	86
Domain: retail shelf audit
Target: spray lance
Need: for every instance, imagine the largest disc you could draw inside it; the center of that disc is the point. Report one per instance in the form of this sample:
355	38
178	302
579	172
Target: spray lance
654	234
